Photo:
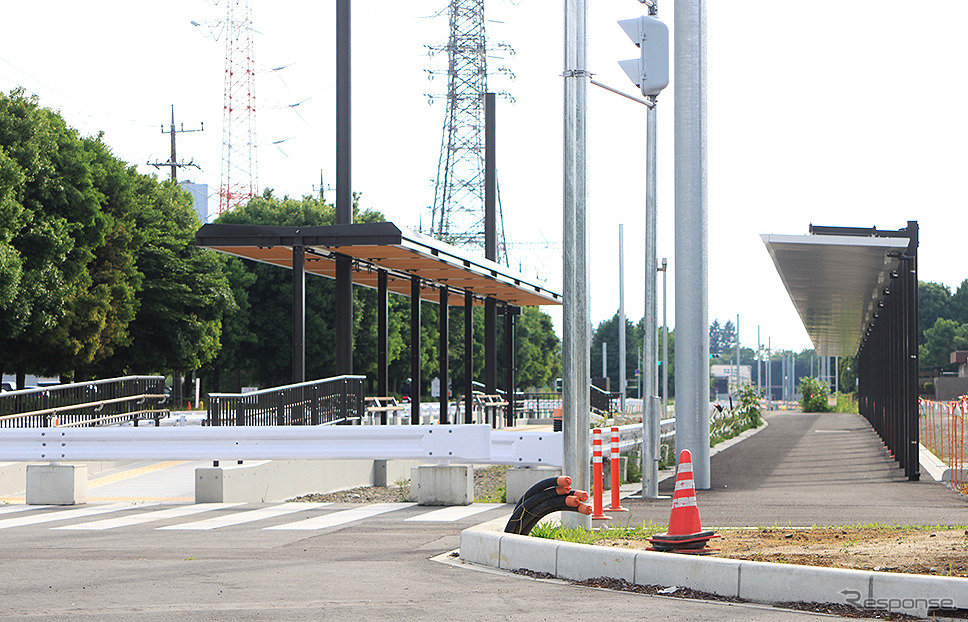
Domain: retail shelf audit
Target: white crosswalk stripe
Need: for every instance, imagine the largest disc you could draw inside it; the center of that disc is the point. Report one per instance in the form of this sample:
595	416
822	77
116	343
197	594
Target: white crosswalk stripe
454	513
248	516
9	509
341	518
58	515
21	515
148	517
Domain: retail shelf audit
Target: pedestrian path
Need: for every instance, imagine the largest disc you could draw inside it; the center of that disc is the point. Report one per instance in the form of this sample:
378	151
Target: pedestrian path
294	516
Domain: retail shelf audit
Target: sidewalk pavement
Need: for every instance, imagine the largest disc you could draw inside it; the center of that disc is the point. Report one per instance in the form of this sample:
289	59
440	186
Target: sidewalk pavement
808	469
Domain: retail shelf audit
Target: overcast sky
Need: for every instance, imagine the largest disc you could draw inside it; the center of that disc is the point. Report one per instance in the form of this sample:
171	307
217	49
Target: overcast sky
847	114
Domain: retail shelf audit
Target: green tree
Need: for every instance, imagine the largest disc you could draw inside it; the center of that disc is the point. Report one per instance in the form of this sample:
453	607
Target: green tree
539	349
934	301
940	341
607	332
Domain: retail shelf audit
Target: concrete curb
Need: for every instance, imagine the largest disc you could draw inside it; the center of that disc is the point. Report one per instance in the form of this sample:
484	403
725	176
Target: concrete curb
759	582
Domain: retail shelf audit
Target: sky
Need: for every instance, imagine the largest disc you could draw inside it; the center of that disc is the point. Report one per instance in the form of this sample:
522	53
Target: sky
849	117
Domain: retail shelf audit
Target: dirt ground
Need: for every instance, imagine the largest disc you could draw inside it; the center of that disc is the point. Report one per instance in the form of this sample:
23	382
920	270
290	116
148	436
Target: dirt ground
939	551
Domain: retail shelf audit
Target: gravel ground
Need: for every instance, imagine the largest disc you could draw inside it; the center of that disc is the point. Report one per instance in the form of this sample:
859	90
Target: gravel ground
489	485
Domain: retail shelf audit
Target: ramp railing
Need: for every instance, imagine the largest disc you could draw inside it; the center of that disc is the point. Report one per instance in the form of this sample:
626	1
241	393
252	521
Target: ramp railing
89	404
328	401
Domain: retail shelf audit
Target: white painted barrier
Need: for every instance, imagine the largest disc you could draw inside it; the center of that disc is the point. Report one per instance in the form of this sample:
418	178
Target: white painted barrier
468	443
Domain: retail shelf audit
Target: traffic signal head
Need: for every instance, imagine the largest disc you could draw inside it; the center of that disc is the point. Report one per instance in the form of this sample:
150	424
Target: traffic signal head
649	72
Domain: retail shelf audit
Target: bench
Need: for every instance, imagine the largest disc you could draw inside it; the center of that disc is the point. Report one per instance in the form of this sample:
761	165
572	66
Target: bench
382	406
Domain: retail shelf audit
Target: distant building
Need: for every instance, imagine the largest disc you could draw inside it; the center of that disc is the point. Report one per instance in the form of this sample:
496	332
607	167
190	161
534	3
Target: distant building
724	377
200	195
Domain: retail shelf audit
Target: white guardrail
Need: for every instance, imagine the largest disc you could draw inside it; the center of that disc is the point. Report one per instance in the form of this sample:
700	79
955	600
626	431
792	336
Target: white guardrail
477	444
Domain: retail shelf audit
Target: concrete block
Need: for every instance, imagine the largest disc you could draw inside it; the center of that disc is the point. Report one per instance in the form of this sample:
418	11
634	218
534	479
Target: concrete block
56	484
519	479
536	554
266	481
706	574
443	484
482	544
584	561
916	594
777	583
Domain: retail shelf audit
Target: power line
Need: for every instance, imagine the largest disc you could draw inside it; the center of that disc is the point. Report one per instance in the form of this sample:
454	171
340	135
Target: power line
173	162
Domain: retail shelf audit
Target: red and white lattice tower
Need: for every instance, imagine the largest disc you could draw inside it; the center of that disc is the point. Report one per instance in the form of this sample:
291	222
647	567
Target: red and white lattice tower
240	179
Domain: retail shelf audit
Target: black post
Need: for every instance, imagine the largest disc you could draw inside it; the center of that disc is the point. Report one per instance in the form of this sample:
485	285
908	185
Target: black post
382	359
298	314
490	179
510	359
912	363
344	189
468	358
490	349
444	352
415	350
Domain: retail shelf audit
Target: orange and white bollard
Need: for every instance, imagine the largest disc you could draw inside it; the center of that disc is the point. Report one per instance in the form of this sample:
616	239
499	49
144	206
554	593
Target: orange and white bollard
597	476
616	468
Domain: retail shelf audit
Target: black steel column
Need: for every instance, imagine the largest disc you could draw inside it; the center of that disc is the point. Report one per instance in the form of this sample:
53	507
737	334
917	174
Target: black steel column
468	358
444	352
344	189
490	245
510	358
490	347
415	378
490	179
911	275
382	358
298	314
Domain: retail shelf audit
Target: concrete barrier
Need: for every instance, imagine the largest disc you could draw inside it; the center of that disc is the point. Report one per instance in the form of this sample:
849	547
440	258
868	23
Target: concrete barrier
763	582
266	481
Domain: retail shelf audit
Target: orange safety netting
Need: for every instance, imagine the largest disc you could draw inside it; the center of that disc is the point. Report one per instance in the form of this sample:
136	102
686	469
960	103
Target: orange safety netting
942	431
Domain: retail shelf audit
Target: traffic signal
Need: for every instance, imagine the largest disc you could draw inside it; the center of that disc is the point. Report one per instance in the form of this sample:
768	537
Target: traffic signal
649	72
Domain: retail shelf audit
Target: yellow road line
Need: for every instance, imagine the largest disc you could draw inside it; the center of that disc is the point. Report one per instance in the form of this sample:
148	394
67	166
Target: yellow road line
117	477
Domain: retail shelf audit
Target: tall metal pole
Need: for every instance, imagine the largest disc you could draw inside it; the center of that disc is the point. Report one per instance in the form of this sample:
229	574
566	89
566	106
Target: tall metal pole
737	355
576	326
344	190
621	318
665	342
692	284
769	373
651	419
604	359
759	363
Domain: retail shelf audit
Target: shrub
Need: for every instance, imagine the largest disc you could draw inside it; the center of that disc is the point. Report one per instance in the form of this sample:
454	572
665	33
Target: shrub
814	392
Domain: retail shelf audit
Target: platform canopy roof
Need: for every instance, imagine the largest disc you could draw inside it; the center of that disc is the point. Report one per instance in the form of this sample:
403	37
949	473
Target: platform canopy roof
380	246
836	283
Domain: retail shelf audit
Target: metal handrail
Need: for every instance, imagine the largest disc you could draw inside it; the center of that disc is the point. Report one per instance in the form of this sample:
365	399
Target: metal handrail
89	403
327	401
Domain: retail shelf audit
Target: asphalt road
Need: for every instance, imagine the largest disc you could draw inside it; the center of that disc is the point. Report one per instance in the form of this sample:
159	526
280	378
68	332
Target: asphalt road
379	568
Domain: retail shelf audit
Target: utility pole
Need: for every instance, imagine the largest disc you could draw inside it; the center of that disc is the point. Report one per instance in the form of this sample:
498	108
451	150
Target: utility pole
621	317
173	162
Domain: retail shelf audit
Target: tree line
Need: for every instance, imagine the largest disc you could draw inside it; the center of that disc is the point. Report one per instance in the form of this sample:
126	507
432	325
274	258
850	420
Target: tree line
100	277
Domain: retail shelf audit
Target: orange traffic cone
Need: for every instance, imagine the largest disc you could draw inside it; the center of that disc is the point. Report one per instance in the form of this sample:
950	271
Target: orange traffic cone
685	533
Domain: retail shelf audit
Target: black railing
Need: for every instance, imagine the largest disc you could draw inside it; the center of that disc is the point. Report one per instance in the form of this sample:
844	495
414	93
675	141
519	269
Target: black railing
330	401
96	403
537	405
601	401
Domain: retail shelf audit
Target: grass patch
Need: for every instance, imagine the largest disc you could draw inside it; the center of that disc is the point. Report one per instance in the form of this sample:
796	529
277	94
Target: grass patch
554	531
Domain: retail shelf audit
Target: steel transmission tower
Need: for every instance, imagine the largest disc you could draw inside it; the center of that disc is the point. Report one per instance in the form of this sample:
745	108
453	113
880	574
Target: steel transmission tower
239	178
457	215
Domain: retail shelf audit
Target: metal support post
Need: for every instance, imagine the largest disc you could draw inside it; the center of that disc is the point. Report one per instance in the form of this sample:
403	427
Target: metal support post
576	320
510	358
692	285
651	420
621	320
382	335
468	358
298	314
415	372
444	353
344	189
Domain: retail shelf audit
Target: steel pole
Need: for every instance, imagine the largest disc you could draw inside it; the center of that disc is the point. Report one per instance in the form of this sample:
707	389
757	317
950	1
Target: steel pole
650	416
692	285
621	319
665	341
576	326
